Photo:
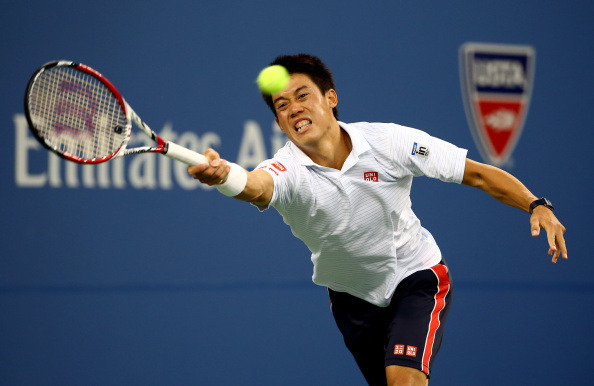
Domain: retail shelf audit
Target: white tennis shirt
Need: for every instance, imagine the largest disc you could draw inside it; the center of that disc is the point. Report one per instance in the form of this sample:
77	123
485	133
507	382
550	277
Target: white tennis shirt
357	222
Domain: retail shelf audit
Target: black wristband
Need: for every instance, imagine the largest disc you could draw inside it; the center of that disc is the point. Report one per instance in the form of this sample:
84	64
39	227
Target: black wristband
541	201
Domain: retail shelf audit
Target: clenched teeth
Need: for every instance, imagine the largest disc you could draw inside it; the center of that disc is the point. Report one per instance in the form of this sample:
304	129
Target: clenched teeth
302	124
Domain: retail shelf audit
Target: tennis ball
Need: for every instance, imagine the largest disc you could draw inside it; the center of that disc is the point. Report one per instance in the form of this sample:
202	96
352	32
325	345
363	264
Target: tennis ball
273	79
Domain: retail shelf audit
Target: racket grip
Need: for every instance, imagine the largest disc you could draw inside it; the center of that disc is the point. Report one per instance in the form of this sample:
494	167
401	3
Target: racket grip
236	179
184	155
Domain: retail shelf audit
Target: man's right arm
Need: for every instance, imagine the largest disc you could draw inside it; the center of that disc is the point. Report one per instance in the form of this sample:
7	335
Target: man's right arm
258	189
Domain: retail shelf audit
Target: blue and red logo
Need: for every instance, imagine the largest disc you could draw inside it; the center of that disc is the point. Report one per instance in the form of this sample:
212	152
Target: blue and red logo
496	86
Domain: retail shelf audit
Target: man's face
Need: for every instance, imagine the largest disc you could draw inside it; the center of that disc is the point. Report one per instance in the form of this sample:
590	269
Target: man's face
303	113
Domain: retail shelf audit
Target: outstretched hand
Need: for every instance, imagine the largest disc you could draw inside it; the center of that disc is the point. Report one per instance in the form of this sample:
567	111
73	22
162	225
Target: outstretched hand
543	218
212	173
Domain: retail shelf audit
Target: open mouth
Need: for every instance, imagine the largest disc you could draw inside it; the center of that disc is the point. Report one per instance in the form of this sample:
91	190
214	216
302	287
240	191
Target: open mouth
302	124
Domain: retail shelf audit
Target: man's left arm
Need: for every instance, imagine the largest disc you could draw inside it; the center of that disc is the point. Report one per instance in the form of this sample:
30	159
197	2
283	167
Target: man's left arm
509	190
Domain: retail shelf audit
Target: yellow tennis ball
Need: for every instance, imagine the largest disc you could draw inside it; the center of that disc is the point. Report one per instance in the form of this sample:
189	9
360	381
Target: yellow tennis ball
273	79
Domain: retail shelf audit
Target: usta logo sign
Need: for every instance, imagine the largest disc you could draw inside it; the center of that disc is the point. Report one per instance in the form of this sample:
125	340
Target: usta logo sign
496	86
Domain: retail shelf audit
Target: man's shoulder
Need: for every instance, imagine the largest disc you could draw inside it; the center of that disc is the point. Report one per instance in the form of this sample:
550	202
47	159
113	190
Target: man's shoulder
379	128
379	134
374	131
366	126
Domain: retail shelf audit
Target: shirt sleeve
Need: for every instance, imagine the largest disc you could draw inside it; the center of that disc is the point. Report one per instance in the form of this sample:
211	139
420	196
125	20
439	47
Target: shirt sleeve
416	153
285	175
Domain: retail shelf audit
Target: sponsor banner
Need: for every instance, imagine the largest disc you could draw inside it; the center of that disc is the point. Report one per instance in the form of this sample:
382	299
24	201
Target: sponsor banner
496	82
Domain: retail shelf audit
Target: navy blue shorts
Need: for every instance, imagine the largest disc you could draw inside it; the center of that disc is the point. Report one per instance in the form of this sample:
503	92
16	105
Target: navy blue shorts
406	333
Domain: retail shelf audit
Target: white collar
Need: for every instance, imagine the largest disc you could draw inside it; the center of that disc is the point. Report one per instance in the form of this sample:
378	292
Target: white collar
360	145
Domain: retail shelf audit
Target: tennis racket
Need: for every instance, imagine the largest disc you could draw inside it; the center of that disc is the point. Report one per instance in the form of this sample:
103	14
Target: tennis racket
78	114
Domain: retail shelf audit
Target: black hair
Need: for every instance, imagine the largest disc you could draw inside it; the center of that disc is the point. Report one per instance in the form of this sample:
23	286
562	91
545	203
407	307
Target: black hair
309	65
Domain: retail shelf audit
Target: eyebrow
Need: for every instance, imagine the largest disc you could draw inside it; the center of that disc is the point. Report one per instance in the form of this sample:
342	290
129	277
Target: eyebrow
296	91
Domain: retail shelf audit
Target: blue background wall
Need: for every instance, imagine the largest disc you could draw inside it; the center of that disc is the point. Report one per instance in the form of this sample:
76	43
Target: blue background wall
111	282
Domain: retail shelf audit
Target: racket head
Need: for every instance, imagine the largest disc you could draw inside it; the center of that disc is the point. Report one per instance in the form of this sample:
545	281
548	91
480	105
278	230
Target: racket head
76	112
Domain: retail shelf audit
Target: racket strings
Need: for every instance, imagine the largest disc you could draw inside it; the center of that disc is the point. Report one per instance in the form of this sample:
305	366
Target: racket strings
76	114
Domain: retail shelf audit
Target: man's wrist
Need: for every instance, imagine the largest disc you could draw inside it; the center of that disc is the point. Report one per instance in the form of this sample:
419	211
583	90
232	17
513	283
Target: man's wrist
541	201
235	181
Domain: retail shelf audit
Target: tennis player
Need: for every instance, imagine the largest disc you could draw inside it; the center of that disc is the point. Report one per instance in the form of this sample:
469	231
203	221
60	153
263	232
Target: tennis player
344	189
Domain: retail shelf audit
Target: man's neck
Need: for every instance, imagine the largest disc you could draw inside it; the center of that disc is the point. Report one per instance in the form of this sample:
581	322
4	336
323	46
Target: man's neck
333	151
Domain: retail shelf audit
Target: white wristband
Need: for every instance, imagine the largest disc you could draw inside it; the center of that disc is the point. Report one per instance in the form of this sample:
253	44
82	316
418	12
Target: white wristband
235	183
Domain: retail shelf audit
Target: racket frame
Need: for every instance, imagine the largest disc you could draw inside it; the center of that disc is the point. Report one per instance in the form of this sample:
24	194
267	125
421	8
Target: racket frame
169	149
232	185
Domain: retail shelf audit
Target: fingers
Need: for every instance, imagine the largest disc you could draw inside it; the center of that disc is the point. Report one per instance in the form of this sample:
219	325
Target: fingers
211	174
214	172
554	230
552	246
556	241
560	247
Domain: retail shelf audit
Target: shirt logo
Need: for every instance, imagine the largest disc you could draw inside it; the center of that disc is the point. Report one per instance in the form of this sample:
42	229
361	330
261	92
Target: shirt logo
496	86
274	167
420	150
411	351
399	349
280	167
371	176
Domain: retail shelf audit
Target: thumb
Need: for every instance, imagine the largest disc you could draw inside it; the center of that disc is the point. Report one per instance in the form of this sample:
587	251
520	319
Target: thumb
535	227
213	157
